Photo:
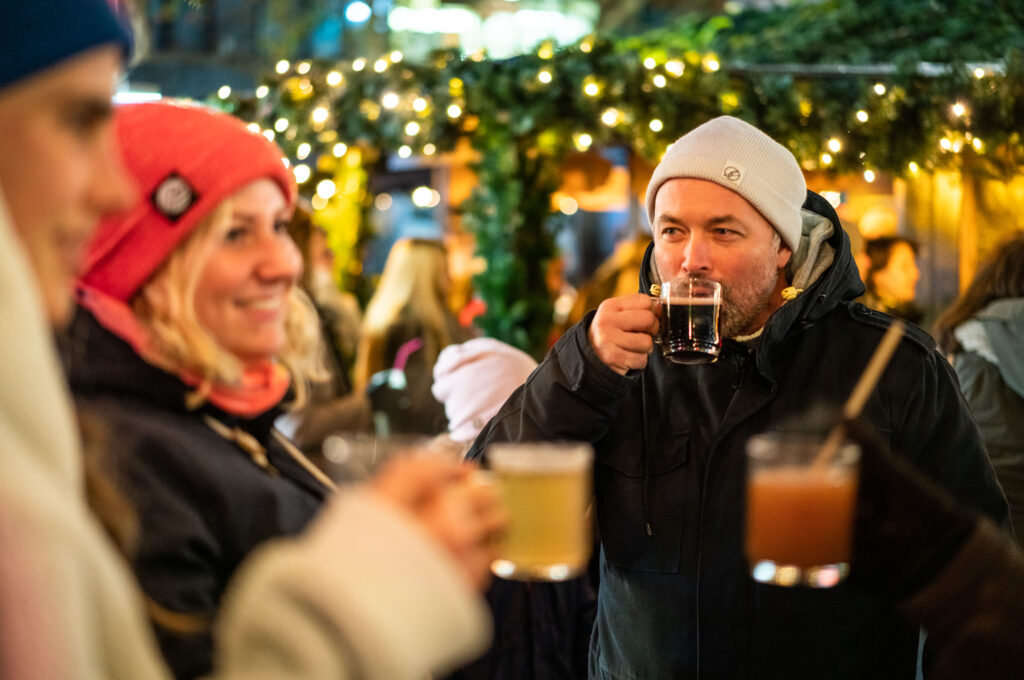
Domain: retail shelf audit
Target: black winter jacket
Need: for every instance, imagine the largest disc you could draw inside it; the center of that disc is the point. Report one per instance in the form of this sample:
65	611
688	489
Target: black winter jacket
202	502
675	598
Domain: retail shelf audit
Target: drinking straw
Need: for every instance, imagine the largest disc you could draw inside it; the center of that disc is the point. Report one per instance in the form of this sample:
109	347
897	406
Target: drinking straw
862	390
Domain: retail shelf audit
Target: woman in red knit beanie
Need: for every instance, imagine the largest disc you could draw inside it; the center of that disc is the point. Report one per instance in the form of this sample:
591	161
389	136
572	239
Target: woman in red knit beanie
188	343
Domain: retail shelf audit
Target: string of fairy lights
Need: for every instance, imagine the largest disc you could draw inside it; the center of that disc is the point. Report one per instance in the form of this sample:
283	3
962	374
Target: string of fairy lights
591	94
337	121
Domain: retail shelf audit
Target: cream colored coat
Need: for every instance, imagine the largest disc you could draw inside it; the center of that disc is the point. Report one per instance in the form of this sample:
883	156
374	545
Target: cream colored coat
363	593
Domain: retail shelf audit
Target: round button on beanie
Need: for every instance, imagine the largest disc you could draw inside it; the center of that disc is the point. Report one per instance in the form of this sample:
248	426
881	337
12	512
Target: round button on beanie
186	160
38	34
473	380
736	155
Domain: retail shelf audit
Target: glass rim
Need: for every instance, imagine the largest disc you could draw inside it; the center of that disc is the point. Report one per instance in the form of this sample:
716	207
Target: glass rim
539	455
801	447
708	288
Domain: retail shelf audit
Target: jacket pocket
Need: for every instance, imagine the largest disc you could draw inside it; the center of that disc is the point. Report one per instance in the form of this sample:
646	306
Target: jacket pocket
625	512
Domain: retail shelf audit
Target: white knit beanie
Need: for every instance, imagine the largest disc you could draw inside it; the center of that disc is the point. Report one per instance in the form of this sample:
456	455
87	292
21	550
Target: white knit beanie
474	379
738	156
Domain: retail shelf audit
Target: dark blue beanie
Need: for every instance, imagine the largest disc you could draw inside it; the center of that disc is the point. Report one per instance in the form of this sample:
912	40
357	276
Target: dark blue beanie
38	34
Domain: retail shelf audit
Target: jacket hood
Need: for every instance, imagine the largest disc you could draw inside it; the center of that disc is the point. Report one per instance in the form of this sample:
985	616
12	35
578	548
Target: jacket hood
996	333
822	271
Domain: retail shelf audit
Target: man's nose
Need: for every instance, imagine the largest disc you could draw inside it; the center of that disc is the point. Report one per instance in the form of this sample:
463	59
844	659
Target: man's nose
697	255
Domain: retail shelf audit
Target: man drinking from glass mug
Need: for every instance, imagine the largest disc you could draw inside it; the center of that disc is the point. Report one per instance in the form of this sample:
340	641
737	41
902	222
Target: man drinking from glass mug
729	204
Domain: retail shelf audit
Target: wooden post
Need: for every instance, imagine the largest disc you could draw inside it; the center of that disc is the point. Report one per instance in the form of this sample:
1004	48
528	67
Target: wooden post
968	232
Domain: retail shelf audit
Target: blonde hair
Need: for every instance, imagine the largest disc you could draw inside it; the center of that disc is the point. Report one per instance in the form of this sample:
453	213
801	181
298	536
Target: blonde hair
412	286
180	344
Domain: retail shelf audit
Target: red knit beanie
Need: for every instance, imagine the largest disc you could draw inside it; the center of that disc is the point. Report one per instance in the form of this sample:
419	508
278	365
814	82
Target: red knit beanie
186	159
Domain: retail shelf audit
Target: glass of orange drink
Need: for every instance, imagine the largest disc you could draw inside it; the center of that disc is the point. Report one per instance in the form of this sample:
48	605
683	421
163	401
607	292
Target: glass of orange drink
800	508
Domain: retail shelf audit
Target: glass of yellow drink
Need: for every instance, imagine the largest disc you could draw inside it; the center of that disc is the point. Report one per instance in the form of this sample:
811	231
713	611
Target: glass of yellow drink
546	488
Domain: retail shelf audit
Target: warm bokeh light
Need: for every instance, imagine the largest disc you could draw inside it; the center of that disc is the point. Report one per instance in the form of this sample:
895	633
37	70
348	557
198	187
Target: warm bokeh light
320	115
326	189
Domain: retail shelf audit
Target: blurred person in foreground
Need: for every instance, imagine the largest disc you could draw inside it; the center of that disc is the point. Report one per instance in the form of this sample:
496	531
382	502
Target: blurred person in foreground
542	630
406	325
306	607
942	565
983	334
891	277
730	204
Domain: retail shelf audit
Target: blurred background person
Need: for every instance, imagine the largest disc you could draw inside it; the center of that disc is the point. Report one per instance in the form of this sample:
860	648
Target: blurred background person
339	312
616	276
983	334
331	405
68	604
406	325
542	630
891	277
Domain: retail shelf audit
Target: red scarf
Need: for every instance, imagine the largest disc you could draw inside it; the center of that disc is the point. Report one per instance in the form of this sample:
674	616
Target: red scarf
262	386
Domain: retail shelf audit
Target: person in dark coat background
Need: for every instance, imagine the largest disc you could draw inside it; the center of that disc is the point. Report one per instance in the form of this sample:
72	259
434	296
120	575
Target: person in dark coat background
983	334
728	203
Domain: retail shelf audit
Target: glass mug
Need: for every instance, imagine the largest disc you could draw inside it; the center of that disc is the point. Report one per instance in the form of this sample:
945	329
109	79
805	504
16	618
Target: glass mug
546	489
800	509
689	332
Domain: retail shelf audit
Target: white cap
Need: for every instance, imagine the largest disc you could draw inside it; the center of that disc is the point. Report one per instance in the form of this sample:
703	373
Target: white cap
736	155
474	379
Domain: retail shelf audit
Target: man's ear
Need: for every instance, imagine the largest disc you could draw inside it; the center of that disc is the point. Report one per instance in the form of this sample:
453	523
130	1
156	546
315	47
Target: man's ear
784	255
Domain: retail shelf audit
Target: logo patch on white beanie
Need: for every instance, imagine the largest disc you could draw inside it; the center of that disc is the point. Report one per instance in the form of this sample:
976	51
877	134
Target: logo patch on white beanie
733	172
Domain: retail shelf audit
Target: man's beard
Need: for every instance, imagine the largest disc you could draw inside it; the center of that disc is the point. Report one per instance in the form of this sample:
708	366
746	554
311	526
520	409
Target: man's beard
744	303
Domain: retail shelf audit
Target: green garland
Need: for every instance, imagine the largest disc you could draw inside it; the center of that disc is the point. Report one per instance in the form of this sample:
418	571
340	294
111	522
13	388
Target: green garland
524	115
